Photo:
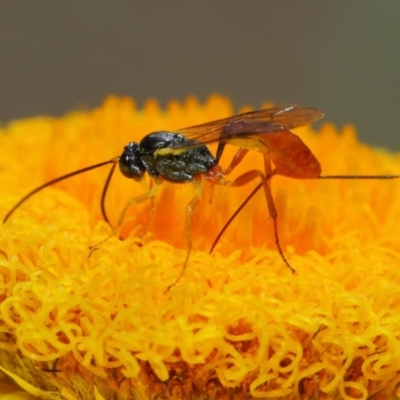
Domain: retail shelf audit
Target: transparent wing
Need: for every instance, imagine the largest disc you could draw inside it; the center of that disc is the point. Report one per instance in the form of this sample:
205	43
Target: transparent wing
271	120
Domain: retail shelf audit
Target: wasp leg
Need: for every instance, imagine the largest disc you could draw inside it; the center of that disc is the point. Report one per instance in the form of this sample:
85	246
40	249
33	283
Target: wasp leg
274	215
266	185
136	200
234	215
236	160
150	221
188	218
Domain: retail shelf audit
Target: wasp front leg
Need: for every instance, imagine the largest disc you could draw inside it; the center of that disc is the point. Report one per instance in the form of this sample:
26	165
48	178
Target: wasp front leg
135	201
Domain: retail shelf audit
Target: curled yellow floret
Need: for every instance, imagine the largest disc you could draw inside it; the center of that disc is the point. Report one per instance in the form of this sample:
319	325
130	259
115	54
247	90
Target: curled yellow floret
77	324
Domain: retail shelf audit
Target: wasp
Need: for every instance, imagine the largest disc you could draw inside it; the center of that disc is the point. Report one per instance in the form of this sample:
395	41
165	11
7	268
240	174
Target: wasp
182	156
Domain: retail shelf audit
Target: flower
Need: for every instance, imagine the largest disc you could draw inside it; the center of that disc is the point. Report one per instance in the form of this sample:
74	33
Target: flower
81	323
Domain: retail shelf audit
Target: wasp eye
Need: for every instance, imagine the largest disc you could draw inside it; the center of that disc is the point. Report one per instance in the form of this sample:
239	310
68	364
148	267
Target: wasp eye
130	164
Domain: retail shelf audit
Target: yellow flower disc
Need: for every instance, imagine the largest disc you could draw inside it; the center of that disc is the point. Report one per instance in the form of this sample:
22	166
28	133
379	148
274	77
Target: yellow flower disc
82	324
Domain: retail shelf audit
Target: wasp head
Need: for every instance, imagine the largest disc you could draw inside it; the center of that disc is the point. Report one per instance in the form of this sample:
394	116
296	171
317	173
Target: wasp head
130	163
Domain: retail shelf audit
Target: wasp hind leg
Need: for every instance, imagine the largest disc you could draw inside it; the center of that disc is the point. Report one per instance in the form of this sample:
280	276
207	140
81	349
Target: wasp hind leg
265	184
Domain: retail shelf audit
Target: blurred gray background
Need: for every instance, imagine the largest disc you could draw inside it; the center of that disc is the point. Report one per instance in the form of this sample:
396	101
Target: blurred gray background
340	56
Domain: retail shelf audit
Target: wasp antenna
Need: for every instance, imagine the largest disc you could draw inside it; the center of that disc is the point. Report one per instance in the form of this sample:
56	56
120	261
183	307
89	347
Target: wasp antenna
104	193
52	182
